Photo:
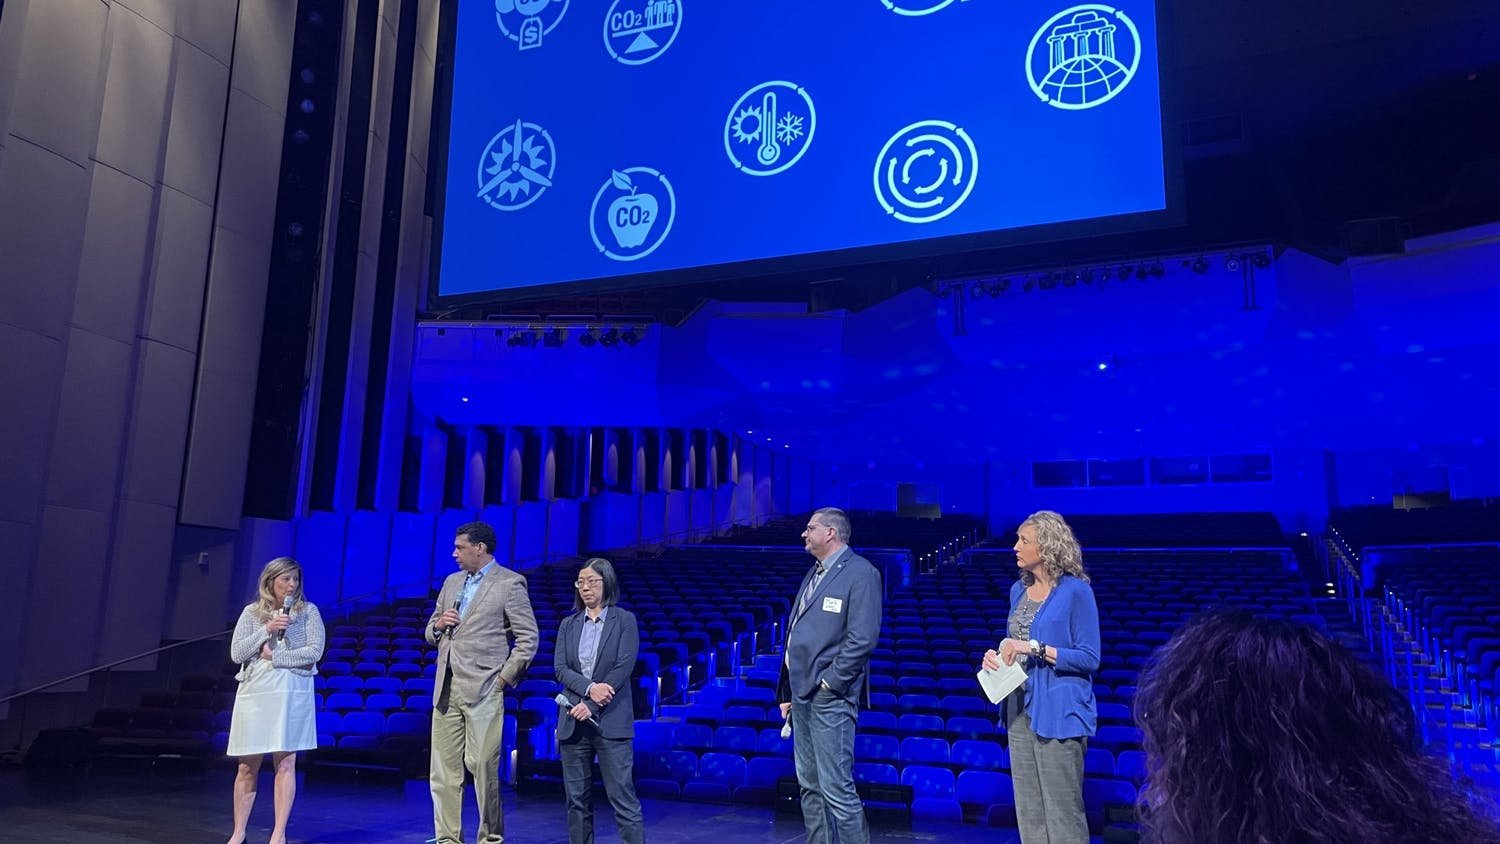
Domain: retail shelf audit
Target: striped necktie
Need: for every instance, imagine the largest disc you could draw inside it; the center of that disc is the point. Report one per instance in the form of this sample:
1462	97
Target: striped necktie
812	586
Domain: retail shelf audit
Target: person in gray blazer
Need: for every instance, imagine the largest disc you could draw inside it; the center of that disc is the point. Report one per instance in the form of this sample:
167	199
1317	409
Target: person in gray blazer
277	642
479	610
825	676
596	651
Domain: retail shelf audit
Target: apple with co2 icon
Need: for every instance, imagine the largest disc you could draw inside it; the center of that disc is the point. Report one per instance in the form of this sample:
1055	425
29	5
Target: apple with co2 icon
631	215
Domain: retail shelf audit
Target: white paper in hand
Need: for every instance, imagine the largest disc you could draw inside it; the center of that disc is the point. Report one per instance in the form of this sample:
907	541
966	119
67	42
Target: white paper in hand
998	684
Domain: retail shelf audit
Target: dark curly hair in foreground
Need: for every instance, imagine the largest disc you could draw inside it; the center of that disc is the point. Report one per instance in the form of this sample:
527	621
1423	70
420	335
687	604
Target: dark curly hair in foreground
1267	732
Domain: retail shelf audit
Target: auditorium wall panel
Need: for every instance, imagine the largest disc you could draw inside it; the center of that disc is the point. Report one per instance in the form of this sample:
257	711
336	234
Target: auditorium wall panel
563	519
610	520
135	97
321	543
42	246
531	533
366	553
701	512
418	555
88	439
653	519
501	517
200	92
676	516
72	576
158	427
764	502
19	541
27	417
174	308
139	579
213	574
245	202
723	504
58	76
112	268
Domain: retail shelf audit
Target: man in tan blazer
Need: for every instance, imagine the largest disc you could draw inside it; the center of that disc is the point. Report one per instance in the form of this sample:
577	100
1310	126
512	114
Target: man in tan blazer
479	609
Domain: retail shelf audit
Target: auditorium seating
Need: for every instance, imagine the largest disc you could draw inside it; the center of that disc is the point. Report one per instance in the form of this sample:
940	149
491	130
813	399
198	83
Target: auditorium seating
1436	620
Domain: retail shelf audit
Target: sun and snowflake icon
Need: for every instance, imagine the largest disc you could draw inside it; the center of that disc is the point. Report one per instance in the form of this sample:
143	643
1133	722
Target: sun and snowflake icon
769	128
516	166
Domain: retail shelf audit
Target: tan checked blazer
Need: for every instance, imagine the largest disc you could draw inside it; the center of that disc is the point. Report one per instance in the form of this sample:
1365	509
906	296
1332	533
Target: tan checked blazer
480	650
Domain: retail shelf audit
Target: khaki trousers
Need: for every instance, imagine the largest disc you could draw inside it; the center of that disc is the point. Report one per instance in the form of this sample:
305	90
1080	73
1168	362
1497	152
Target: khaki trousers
466	736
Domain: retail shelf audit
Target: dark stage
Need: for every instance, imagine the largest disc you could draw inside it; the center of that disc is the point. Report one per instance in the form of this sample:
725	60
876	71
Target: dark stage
119	806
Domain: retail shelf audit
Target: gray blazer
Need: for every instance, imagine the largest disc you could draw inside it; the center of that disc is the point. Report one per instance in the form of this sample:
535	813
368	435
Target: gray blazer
479	652
299	652
832	641
619	645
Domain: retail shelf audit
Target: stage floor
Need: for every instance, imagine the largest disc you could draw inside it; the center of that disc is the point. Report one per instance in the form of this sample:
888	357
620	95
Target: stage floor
154	807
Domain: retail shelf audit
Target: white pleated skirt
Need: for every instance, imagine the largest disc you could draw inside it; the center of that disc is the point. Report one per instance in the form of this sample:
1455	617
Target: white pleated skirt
274	712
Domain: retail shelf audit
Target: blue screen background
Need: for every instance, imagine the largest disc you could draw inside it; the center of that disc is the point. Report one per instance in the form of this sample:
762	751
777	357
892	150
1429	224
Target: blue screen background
869	72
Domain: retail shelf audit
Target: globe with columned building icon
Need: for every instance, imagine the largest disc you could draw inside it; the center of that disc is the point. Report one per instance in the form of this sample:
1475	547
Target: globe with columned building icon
1081	66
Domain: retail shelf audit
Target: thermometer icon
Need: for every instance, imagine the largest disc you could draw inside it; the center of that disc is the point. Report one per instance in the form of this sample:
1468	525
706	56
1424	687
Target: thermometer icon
769	150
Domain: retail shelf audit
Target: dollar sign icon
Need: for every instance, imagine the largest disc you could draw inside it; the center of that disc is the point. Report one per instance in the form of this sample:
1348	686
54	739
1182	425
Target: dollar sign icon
531	33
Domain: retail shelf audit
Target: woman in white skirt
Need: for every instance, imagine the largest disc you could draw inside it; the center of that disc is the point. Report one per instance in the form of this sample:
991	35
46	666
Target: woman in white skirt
277	642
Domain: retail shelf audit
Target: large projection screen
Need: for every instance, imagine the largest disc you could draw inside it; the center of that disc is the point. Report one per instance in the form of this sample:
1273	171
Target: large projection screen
661	140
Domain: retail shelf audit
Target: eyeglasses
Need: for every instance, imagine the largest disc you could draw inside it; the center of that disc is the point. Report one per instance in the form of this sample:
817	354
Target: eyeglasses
811	528
579	584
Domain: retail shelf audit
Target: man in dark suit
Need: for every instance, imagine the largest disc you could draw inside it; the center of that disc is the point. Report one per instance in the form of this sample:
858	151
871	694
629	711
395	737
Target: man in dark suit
832	628
596	651
479	609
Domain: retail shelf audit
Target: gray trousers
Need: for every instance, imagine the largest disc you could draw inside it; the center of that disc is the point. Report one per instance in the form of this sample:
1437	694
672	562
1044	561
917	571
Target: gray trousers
1048	779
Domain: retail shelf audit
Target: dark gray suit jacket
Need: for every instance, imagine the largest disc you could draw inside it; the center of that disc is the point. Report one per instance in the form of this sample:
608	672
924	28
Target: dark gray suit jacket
833	639
619	645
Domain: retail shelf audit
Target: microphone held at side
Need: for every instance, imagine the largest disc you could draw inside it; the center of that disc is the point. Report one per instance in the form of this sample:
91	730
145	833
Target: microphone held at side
562	700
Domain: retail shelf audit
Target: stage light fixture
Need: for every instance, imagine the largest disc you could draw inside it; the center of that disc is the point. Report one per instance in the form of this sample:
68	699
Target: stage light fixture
1200	265
1260	260
630	337
1232	263
553	338
588	338
610	337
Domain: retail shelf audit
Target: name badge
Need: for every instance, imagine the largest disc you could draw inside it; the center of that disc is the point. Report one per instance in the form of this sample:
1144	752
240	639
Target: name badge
833	605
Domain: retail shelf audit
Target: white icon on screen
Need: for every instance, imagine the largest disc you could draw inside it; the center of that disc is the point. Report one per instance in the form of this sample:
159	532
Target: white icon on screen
917	8
638	31
1082	65
926	171
769	128
638	216
526	22
516	166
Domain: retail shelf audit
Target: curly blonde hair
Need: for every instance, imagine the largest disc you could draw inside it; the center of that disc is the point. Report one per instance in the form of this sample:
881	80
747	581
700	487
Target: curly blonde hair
1059	548
268	605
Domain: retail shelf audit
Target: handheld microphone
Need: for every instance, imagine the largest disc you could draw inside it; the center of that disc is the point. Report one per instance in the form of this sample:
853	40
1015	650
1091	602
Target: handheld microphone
786	727
286	609
456	602
562	700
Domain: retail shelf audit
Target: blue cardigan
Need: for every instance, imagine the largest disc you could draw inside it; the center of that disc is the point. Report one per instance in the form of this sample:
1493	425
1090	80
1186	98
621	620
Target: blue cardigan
1060	697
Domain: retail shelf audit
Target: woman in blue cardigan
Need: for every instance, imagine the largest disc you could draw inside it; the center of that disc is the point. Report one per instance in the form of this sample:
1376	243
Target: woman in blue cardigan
1053	629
